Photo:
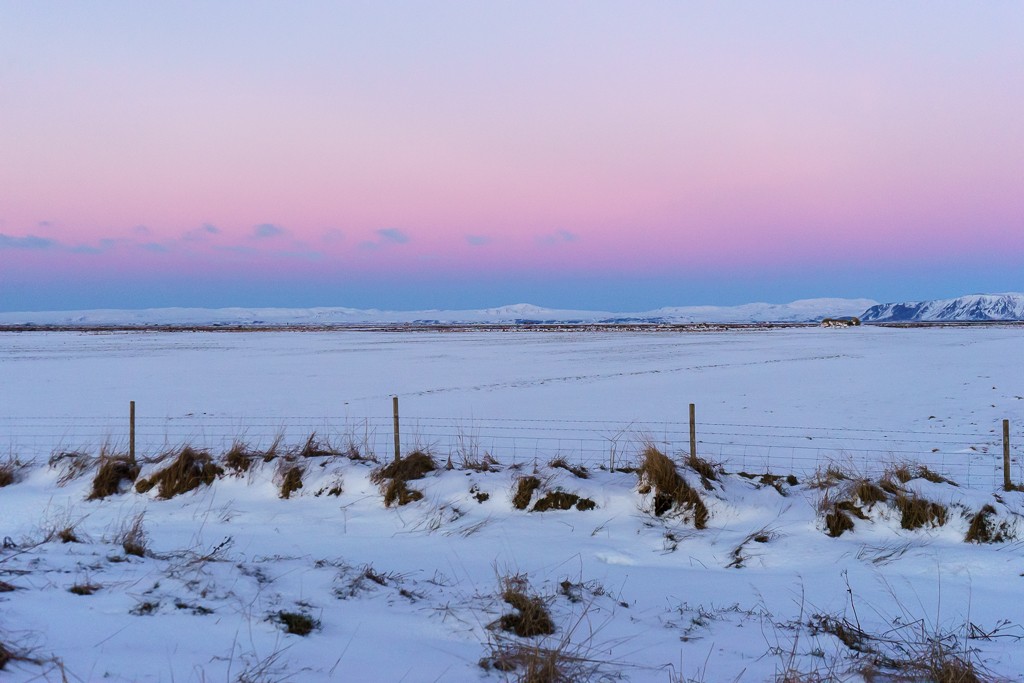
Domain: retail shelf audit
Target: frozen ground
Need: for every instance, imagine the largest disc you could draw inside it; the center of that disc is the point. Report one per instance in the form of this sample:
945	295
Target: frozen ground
415	592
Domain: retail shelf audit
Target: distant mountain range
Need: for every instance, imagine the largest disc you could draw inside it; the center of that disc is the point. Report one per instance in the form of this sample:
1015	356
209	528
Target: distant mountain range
805	310
971	308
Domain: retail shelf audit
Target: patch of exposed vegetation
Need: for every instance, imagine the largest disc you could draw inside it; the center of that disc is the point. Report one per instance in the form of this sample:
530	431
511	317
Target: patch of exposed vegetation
983	528
560	500
316	448
113	470
189	470
525	486
658	473
86	588
291	481
531	616
393	478
132	537
916	512
776	481
576	470
297	623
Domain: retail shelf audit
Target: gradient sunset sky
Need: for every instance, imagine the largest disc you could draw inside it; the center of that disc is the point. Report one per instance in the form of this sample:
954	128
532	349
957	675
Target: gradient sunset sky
603	155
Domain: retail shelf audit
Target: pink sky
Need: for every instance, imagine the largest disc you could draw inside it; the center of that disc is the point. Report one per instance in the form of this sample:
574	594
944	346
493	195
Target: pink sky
527	140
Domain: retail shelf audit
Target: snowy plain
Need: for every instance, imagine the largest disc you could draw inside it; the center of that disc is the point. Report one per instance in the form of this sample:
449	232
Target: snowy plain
414	592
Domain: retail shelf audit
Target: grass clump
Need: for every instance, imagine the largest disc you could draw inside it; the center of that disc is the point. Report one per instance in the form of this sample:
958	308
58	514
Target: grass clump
189	470
576	470
297	623
531	617
560	500
68	535
393	478
525	486
315	448
9	471
239	458
828	477
983	528
916	512
86	588
113	470
292	481
657	472
903	472
132	537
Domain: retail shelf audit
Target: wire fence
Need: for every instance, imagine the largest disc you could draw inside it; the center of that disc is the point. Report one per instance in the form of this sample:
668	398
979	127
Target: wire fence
972	458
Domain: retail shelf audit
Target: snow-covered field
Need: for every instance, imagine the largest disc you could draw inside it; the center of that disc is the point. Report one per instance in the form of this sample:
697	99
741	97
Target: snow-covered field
417	592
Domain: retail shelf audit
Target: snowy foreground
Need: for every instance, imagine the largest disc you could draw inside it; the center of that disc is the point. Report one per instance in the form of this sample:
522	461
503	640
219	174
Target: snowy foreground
204	586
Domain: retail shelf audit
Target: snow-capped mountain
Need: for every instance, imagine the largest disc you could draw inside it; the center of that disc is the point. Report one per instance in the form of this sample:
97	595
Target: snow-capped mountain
974	307
805	310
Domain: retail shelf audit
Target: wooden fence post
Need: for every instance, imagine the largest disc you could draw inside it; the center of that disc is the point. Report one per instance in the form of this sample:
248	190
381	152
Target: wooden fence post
693	432
131	431
398	446
1007	484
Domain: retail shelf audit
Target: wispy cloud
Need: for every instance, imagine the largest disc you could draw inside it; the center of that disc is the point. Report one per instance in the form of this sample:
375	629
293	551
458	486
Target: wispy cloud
27	242
386	236
478	240
557	237
202	232
264	230
393	235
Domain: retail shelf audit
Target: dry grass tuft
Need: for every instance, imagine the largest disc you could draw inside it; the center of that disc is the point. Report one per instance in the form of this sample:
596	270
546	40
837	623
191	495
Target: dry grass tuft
113	470
240	458
86	588
577	470
9	471
560	500
525	486
535	664
983	528
531	617
189	470
657	472
316	448
297	623
70	465
828	477
393	478
68	535
868	492
132	537
708	471
917	512
903	472
7	588
291	481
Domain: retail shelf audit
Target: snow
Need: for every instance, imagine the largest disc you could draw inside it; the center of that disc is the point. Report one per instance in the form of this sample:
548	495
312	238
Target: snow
637	596
805	310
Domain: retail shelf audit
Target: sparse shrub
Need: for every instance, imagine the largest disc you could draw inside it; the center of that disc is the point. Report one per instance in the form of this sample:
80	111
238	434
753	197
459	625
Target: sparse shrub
189	470
916	512
393	478
113	470
292	481
983	528
297	623
577	470
657	472
525	486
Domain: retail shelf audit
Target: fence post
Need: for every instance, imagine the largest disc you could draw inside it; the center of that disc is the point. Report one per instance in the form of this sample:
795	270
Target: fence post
398	446
693	432
131	431
1007	484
